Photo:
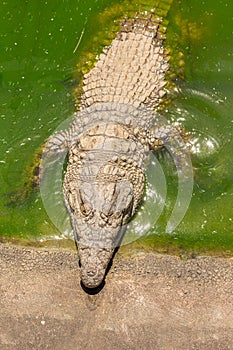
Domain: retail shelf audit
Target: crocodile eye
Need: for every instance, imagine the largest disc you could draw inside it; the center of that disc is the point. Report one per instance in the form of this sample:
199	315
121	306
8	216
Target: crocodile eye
85	208
110	213
118	215
116	218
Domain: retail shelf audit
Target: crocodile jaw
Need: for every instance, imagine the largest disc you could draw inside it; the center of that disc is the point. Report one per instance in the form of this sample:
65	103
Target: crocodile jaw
96	247
94	263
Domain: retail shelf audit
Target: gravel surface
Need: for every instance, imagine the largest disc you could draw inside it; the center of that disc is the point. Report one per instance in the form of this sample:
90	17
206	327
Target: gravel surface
148	302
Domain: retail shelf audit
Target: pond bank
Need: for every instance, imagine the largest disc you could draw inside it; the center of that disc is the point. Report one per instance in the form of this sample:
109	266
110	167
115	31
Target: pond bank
149	302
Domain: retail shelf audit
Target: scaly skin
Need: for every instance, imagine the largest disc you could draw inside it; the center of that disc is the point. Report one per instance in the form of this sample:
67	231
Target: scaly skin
132	71
103	185
109	142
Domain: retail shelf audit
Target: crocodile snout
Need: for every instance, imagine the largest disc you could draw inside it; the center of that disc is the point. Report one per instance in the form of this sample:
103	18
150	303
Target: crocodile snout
92	272
91	276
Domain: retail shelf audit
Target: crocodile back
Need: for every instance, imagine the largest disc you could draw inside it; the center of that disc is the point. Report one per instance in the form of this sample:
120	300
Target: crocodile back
132	71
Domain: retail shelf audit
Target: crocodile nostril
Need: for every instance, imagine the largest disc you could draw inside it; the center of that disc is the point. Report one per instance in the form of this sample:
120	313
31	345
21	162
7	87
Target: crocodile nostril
91	272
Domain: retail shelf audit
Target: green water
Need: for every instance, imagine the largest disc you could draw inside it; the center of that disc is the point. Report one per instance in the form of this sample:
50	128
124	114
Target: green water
39	53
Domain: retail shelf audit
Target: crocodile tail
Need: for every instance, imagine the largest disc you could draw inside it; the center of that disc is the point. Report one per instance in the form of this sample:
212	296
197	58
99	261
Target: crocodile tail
132	71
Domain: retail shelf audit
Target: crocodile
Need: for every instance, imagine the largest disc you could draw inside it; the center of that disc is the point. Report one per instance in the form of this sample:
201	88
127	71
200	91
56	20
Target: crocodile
109	141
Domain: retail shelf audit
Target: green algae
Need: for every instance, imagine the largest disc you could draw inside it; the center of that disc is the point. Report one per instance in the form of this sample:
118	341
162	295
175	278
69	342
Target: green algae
42	62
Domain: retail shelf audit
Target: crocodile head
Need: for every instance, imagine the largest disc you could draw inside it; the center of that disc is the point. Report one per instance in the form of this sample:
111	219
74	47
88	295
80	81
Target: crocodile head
99	213
101	193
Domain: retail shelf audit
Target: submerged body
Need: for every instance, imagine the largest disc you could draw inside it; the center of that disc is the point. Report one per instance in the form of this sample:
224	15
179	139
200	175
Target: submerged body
109	141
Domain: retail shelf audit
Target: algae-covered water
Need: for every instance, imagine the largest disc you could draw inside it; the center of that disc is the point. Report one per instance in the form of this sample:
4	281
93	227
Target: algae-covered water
41	43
